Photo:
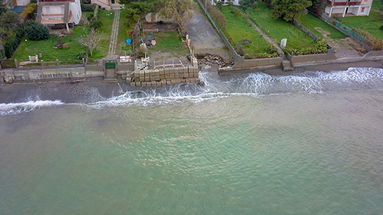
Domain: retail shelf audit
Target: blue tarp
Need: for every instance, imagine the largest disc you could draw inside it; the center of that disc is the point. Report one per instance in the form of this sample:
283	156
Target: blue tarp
18	9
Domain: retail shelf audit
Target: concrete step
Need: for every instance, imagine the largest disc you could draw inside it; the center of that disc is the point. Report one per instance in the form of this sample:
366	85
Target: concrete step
286	66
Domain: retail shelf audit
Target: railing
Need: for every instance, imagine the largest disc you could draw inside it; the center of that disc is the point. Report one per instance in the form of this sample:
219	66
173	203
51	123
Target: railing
57	0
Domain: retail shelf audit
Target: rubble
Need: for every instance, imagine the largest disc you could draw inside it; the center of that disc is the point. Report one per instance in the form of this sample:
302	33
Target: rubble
212	60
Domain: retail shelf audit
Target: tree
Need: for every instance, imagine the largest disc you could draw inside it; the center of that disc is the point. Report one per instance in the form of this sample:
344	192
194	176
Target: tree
9	20
90	41
36	31
289	9
180	10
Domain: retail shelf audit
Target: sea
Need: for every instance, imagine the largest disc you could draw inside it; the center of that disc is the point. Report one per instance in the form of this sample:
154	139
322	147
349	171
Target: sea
249	143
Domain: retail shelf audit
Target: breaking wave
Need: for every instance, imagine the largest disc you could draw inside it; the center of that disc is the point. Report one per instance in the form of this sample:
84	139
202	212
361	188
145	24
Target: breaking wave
217	87
16	108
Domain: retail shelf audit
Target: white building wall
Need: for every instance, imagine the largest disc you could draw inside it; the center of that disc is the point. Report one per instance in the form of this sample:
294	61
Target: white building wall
22	2
75	8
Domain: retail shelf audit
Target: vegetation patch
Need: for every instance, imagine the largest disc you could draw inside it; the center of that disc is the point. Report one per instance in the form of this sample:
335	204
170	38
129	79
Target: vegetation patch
370	24
298	42
71	50
244	37
169	42
312	23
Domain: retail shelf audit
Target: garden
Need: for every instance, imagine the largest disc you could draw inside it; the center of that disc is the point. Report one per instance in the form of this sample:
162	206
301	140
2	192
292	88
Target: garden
247	41
73	47
313	23
298	42
168	42
372	24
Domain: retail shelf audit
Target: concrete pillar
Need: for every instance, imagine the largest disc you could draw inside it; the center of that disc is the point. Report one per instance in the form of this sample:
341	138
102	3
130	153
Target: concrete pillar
344	11
368	11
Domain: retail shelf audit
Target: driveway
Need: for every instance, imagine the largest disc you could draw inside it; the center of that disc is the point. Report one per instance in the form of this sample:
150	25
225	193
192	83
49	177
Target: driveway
204	39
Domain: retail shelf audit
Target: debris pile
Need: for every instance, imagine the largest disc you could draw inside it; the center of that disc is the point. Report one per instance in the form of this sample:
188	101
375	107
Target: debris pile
212	60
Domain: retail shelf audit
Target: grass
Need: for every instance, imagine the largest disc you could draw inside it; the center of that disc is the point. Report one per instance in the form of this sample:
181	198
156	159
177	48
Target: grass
311	22
124	33
70	55
279	29
377	5
169	42
238	29
370	24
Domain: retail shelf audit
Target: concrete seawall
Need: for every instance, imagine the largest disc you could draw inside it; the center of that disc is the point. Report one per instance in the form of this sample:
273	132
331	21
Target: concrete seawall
42	75
304	59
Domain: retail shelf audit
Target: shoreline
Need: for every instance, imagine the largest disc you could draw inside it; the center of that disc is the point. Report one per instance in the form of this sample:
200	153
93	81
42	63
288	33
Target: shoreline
336	65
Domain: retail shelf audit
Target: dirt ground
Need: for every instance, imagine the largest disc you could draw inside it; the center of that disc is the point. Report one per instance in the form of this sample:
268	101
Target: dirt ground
204	39
344	48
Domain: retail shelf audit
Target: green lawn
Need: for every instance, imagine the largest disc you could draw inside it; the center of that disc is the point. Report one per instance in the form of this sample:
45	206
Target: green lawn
312	23
377	5
124	33
70	55
169	42
239	30
279	29
370	24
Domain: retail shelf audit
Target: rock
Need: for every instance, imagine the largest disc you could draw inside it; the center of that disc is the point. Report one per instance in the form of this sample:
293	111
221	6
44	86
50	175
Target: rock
8	79
212	60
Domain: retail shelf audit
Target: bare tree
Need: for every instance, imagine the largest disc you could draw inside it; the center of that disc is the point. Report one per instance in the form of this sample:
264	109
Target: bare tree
180	10
90	41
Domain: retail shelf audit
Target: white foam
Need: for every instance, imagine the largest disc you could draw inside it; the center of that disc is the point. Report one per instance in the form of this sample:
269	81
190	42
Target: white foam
16	108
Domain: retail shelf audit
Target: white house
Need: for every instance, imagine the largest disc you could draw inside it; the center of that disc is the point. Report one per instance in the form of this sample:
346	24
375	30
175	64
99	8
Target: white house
348	8
59	12
234	2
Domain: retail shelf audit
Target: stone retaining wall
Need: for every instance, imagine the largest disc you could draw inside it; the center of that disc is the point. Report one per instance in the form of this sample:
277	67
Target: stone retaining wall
165	76
306	30
248	64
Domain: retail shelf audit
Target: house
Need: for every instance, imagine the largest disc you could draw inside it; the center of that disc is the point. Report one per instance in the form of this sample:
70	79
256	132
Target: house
59	13
348	7
107	4
234	2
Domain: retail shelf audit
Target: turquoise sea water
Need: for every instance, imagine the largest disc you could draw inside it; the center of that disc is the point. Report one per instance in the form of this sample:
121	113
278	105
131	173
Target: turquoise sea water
317	149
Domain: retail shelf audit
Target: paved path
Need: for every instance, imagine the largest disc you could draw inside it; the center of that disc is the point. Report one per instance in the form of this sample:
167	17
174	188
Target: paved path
114	35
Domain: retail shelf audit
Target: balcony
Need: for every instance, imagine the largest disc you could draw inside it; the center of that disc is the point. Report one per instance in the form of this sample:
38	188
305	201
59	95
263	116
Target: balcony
59	1
344	2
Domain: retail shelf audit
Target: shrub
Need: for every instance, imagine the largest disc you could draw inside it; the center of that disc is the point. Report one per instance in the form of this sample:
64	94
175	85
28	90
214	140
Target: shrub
88	7
95	24
36	31
29	12
375	43
12	41
381	28
319	47
218	16
236	11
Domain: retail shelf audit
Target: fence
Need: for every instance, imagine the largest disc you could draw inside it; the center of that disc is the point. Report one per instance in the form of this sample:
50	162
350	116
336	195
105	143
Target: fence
347	30
236	57
306	30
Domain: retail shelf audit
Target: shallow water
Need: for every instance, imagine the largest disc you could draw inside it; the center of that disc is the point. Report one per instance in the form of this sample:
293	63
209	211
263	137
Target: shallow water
252	144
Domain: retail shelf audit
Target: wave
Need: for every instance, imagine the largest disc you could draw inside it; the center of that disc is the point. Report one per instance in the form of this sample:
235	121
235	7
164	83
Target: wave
218	87
16	108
